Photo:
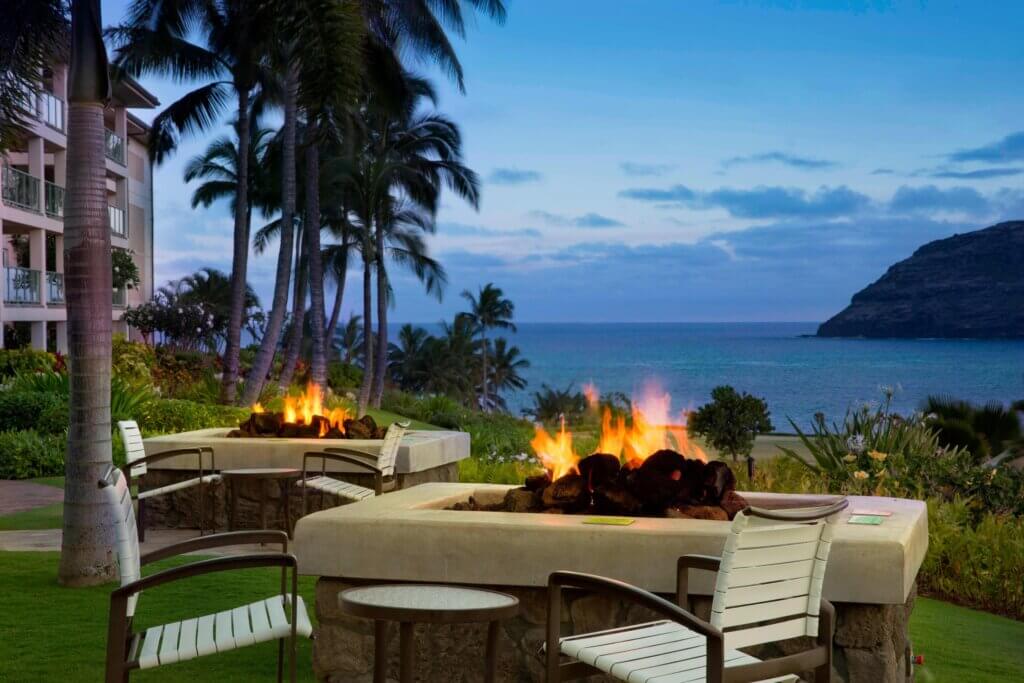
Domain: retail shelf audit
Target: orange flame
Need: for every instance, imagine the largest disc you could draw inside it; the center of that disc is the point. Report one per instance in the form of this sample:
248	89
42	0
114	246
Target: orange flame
651	428
301	409
591	393
258	408
555	453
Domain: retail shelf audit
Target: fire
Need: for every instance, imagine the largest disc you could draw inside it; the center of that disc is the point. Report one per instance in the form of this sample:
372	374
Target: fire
650	428
591	394
555	453
301	409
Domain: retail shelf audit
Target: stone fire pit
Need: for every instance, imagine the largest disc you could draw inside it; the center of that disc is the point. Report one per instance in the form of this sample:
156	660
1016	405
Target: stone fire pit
425	456
410	536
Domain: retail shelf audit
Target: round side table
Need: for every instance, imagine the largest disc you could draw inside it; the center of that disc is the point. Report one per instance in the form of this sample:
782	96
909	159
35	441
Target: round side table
283	475
410	604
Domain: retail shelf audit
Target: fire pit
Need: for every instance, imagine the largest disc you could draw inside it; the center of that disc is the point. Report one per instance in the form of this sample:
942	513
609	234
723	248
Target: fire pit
305	417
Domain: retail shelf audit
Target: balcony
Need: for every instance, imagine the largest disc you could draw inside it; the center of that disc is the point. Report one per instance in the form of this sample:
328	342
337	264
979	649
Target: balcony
114	147
21	286
20	189
54	288
54	200
118	226
52	110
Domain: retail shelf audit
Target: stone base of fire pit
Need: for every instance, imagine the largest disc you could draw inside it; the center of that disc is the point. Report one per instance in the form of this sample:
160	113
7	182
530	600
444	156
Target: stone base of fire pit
410	536
871	644
424	457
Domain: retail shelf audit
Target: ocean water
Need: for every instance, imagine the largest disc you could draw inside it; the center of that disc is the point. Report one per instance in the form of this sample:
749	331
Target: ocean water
797	375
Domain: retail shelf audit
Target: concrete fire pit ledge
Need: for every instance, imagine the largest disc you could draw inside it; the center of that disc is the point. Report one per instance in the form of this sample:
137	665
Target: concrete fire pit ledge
409	536
424	456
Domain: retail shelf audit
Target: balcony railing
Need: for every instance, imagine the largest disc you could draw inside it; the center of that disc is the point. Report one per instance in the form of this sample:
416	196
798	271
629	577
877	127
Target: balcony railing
117	224
54	288
120	298
54	200
21	286
52	110
20	189
115	146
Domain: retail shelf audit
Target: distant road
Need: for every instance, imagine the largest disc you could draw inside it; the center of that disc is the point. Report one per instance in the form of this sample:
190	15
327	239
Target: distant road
765	447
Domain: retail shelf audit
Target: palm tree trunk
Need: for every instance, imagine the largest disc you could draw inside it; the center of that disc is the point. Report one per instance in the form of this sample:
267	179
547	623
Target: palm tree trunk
268	345
339	295
88	530
294	349
366	386
314	259
483	381
381	364
229	383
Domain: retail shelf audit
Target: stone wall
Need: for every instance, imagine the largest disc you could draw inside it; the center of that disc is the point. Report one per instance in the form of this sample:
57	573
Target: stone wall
870	644
180	509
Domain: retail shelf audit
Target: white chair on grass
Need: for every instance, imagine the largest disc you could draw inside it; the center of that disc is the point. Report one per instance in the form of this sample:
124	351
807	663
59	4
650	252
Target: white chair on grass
768	589
380	464
136	462
280	617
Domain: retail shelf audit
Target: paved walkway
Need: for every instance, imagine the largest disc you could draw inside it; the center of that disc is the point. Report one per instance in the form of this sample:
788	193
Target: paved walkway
18	496
49	540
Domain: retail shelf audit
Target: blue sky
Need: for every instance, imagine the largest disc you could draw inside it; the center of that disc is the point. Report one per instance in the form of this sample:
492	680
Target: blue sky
697	161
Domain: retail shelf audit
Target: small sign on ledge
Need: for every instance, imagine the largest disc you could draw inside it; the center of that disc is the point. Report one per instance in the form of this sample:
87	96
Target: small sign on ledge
609	521
868	520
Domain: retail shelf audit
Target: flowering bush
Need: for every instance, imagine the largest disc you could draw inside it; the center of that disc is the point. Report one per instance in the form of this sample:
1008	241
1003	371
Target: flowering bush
124	272
174	323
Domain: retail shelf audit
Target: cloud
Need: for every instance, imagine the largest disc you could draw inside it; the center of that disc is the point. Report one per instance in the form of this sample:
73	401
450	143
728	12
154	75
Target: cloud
513	176
676	193
587	220
883	171
760	202
930	198
638	170
978	174
463	230
792	160
1010	148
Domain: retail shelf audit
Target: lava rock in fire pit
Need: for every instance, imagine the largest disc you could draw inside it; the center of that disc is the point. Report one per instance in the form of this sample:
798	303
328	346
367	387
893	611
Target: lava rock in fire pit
658	480
364	428
732	503
614	498
717	479
712	512
598	468
537	482
568	494
521	500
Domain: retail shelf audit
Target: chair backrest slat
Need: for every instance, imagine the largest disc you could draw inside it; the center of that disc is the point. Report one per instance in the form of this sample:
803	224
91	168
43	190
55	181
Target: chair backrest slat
134	449
123	514
769	585
389	449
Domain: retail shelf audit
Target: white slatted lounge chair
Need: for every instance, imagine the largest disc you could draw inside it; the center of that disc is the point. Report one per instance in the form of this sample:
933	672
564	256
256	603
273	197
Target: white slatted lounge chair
768	589
280	617
135	468
381	464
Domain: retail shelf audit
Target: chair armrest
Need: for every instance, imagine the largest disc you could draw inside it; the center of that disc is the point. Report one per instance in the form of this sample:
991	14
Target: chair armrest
683	567
655	603
217	564
351	457
163	455
217	541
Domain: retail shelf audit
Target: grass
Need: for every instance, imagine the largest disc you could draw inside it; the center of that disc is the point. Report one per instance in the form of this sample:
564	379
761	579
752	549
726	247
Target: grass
46	517
50	633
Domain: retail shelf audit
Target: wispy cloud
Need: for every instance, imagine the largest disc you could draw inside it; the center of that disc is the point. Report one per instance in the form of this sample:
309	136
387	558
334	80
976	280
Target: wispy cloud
930	199
791	160
587	220
883	171
978	174
1010	148
513	176
761	201
463	230
638	170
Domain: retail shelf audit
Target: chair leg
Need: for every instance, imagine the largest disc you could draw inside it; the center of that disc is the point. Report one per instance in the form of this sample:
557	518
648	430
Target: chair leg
140	523
280	660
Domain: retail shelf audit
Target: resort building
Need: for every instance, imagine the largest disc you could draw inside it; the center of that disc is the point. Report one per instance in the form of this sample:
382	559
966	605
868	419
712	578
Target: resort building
32	309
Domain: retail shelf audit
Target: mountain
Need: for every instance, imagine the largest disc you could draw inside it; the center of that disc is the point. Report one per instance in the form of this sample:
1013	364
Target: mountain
964	286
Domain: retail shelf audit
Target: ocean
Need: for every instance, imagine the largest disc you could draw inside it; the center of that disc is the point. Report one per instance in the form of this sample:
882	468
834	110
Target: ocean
797	375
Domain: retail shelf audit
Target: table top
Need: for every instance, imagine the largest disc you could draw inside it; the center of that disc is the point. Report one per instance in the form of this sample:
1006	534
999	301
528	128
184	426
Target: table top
263	472
427	603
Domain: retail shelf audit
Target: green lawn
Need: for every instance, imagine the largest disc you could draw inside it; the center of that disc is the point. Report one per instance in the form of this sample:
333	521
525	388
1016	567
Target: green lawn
47	517
49	633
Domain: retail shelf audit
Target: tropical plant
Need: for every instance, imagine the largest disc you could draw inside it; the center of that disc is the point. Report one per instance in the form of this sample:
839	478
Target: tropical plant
731	421
124	273
210	289
350	338
985	431
406	358
506	364
550	405
489	310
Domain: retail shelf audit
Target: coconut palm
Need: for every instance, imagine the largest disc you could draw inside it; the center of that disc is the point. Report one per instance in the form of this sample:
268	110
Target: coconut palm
488	310
406	358
87	533
212	289
506	363
228	57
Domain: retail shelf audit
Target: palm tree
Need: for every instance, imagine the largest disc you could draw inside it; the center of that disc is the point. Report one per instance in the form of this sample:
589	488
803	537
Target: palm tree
489	310
350	338
229	59
449	361
211	288
505	366
87	532
406	358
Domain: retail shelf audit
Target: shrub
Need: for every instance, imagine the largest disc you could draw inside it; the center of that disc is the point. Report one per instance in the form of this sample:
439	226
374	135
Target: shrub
985	431
165	416
126	401
21	361
40	410
27	454
341	376
550	404
132	362
731	421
